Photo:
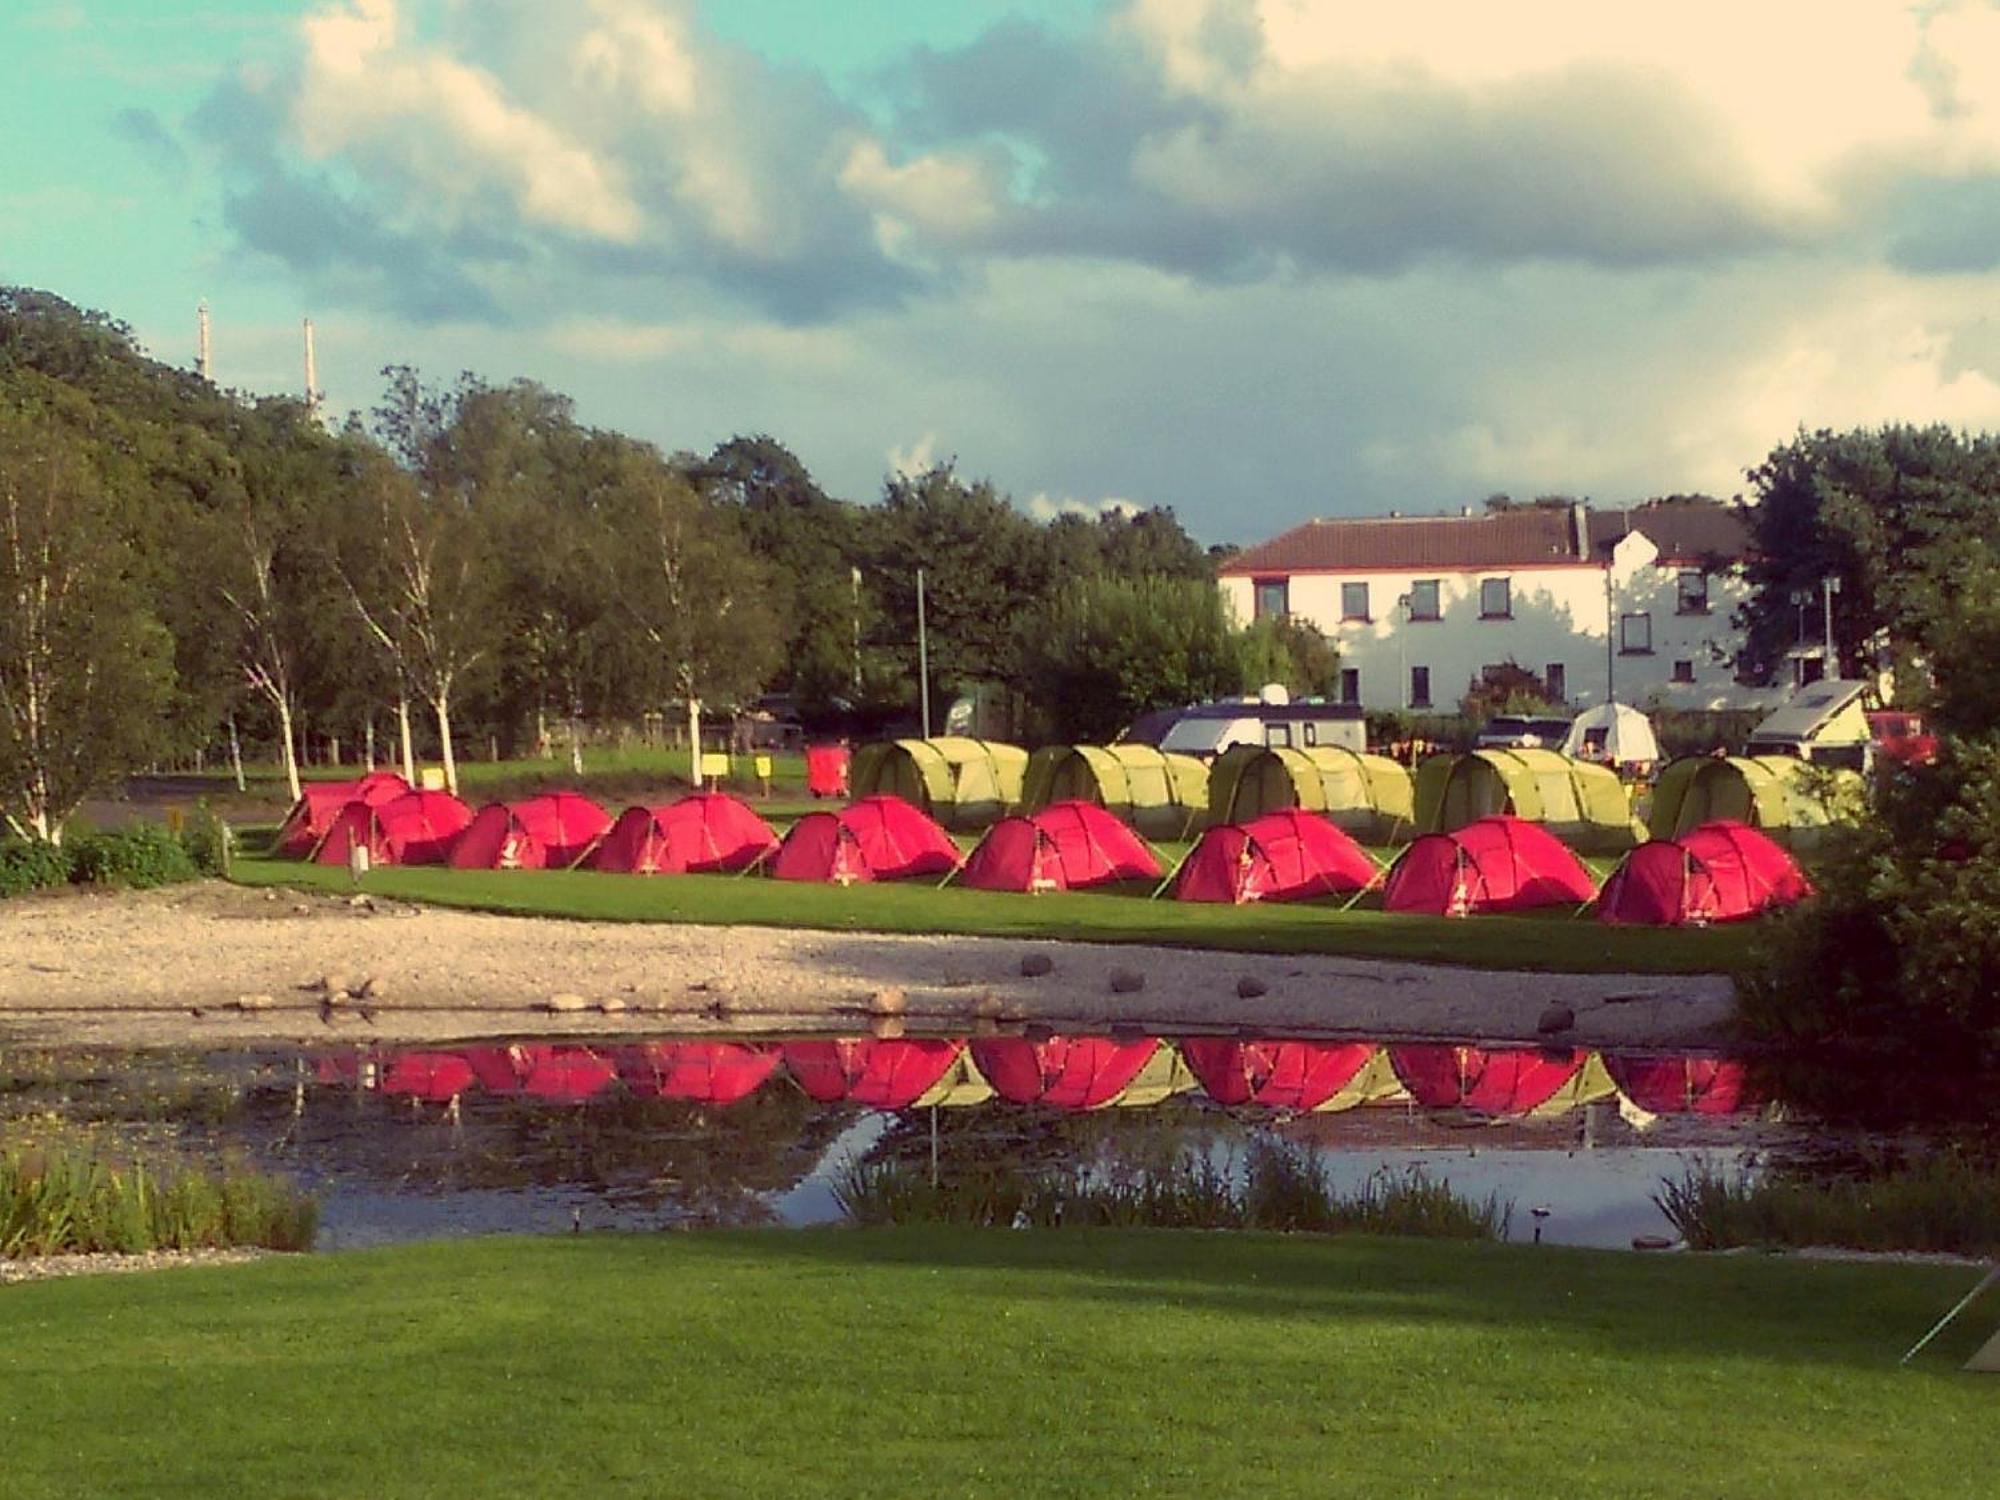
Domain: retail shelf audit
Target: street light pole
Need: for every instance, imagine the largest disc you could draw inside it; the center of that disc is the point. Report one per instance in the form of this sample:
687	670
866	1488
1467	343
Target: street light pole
923	656
1829	586
854	580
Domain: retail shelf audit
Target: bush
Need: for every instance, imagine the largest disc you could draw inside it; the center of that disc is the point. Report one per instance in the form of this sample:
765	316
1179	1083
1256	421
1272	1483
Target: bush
143	855
1877	1001
1943	1202
207	841
31	865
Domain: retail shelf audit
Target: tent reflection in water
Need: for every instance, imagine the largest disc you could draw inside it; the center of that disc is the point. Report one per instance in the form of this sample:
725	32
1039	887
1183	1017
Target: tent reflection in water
1070	846
888	1073
1282	856
1500	1080
551	831
705	832
1288	1074
704	1072
1681	1085
1496	864
1721	872
417	828
877	838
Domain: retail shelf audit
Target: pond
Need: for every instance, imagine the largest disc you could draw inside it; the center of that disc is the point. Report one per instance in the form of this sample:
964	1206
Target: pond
533	1136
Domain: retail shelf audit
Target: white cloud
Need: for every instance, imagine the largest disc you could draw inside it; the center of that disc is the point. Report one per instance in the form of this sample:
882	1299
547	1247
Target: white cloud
917	459
1045	507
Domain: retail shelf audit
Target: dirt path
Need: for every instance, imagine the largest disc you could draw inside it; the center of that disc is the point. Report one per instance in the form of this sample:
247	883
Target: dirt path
222	964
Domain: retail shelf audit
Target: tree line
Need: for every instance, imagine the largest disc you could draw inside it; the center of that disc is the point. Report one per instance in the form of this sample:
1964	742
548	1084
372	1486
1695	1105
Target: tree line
184	570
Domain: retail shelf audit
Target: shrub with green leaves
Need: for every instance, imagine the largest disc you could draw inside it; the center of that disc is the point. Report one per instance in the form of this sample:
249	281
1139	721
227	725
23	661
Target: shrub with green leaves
31	865
207	841
142	855
1877	1001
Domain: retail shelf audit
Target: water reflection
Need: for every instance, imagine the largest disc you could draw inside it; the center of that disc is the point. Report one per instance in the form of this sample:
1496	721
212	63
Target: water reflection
417	1142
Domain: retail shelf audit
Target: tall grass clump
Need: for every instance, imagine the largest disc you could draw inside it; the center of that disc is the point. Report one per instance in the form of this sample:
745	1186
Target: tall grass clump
1282	1188
69	1198
1943	1203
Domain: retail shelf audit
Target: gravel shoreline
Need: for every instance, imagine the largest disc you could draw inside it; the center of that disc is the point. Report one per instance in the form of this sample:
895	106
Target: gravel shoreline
216	963
49	1267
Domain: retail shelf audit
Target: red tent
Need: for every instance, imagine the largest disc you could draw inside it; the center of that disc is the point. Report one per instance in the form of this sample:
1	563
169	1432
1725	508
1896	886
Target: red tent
1274	1074
1282	856
826	770
1489	1080
320	803
564	1074
877	838
501	1068
417	828
706	1072
702	833
1064	1072
1494	864
1066	846
1721	872
879	1074
435	1076
1682	1085
549	831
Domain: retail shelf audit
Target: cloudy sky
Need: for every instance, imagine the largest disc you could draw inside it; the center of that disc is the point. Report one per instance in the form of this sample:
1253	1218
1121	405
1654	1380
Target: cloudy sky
1254	259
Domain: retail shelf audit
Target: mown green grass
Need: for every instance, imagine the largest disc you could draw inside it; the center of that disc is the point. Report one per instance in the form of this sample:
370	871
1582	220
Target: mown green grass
968	1362
1554	943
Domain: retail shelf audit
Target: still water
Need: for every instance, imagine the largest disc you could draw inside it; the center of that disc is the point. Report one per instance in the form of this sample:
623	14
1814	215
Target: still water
522	1136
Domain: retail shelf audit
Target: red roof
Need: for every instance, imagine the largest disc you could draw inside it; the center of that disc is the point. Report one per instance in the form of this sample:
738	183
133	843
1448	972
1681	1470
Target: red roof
1517	537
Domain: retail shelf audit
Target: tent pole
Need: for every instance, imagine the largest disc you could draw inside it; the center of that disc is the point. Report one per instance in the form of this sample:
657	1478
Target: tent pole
1992	1275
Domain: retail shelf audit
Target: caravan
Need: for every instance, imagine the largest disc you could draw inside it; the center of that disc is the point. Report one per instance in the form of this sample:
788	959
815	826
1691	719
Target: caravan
1823	724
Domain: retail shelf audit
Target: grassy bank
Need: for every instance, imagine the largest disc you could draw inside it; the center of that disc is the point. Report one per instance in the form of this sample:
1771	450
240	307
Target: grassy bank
870	1363
1938	1202
1553	943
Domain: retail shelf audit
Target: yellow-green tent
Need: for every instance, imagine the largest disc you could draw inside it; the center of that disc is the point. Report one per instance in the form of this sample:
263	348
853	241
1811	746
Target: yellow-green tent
1369	796
1160	794
1779	794
1582	804
963	783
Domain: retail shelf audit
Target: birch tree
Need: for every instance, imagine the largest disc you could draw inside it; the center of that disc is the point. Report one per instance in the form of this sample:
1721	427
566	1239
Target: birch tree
702	603
85	669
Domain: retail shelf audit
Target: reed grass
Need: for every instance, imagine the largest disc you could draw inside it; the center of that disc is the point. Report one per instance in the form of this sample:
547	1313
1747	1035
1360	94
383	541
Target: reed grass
69	1197
1943	1202
1281	1187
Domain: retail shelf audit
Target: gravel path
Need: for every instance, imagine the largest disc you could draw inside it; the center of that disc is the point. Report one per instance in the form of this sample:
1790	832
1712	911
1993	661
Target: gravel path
47	1267
223	964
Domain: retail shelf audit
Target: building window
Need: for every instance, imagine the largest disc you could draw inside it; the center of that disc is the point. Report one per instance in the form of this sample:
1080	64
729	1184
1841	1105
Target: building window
1556	681
1420	687
1350	684
1683	671
1309	734
1496	599
1691	592
1635	635
1272	598
1354	601
1278	735
1424	599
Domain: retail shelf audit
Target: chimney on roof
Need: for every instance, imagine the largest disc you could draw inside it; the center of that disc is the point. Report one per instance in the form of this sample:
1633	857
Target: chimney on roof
1465	510
1579	525
1395	515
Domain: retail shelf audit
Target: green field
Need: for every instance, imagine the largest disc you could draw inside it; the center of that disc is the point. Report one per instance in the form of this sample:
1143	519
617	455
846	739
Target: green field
1555	943
983	1362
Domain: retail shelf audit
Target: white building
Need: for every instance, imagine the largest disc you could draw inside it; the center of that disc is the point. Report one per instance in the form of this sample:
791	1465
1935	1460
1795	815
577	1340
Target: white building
1635	603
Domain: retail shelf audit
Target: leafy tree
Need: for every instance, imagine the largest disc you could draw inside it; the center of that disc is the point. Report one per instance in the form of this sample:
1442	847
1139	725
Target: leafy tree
1105	650
1508	688
683	577
85	667
1288	650
1900	516
985	568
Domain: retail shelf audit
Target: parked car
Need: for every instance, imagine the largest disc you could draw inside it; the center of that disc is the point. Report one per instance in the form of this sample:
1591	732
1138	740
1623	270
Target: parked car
1901	737
1523	732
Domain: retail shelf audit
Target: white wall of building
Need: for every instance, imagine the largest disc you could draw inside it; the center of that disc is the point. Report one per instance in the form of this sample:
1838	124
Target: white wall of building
1558	616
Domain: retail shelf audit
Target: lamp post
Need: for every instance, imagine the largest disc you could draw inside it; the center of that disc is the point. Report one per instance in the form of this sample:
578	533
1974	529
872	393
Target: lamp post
923	656
854	581
1829	586
1403	648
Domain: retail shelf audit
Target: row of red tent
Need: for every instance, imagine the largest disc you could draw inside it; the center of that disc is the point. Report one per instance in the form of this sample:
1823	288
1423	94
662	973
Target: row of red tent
1063	1072
1720	872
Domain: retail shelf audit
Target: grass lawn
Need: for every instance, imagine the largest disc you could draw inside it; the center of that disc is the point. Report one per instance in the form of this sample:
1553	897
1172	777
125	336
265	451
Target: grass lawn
1551	943
980	1362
